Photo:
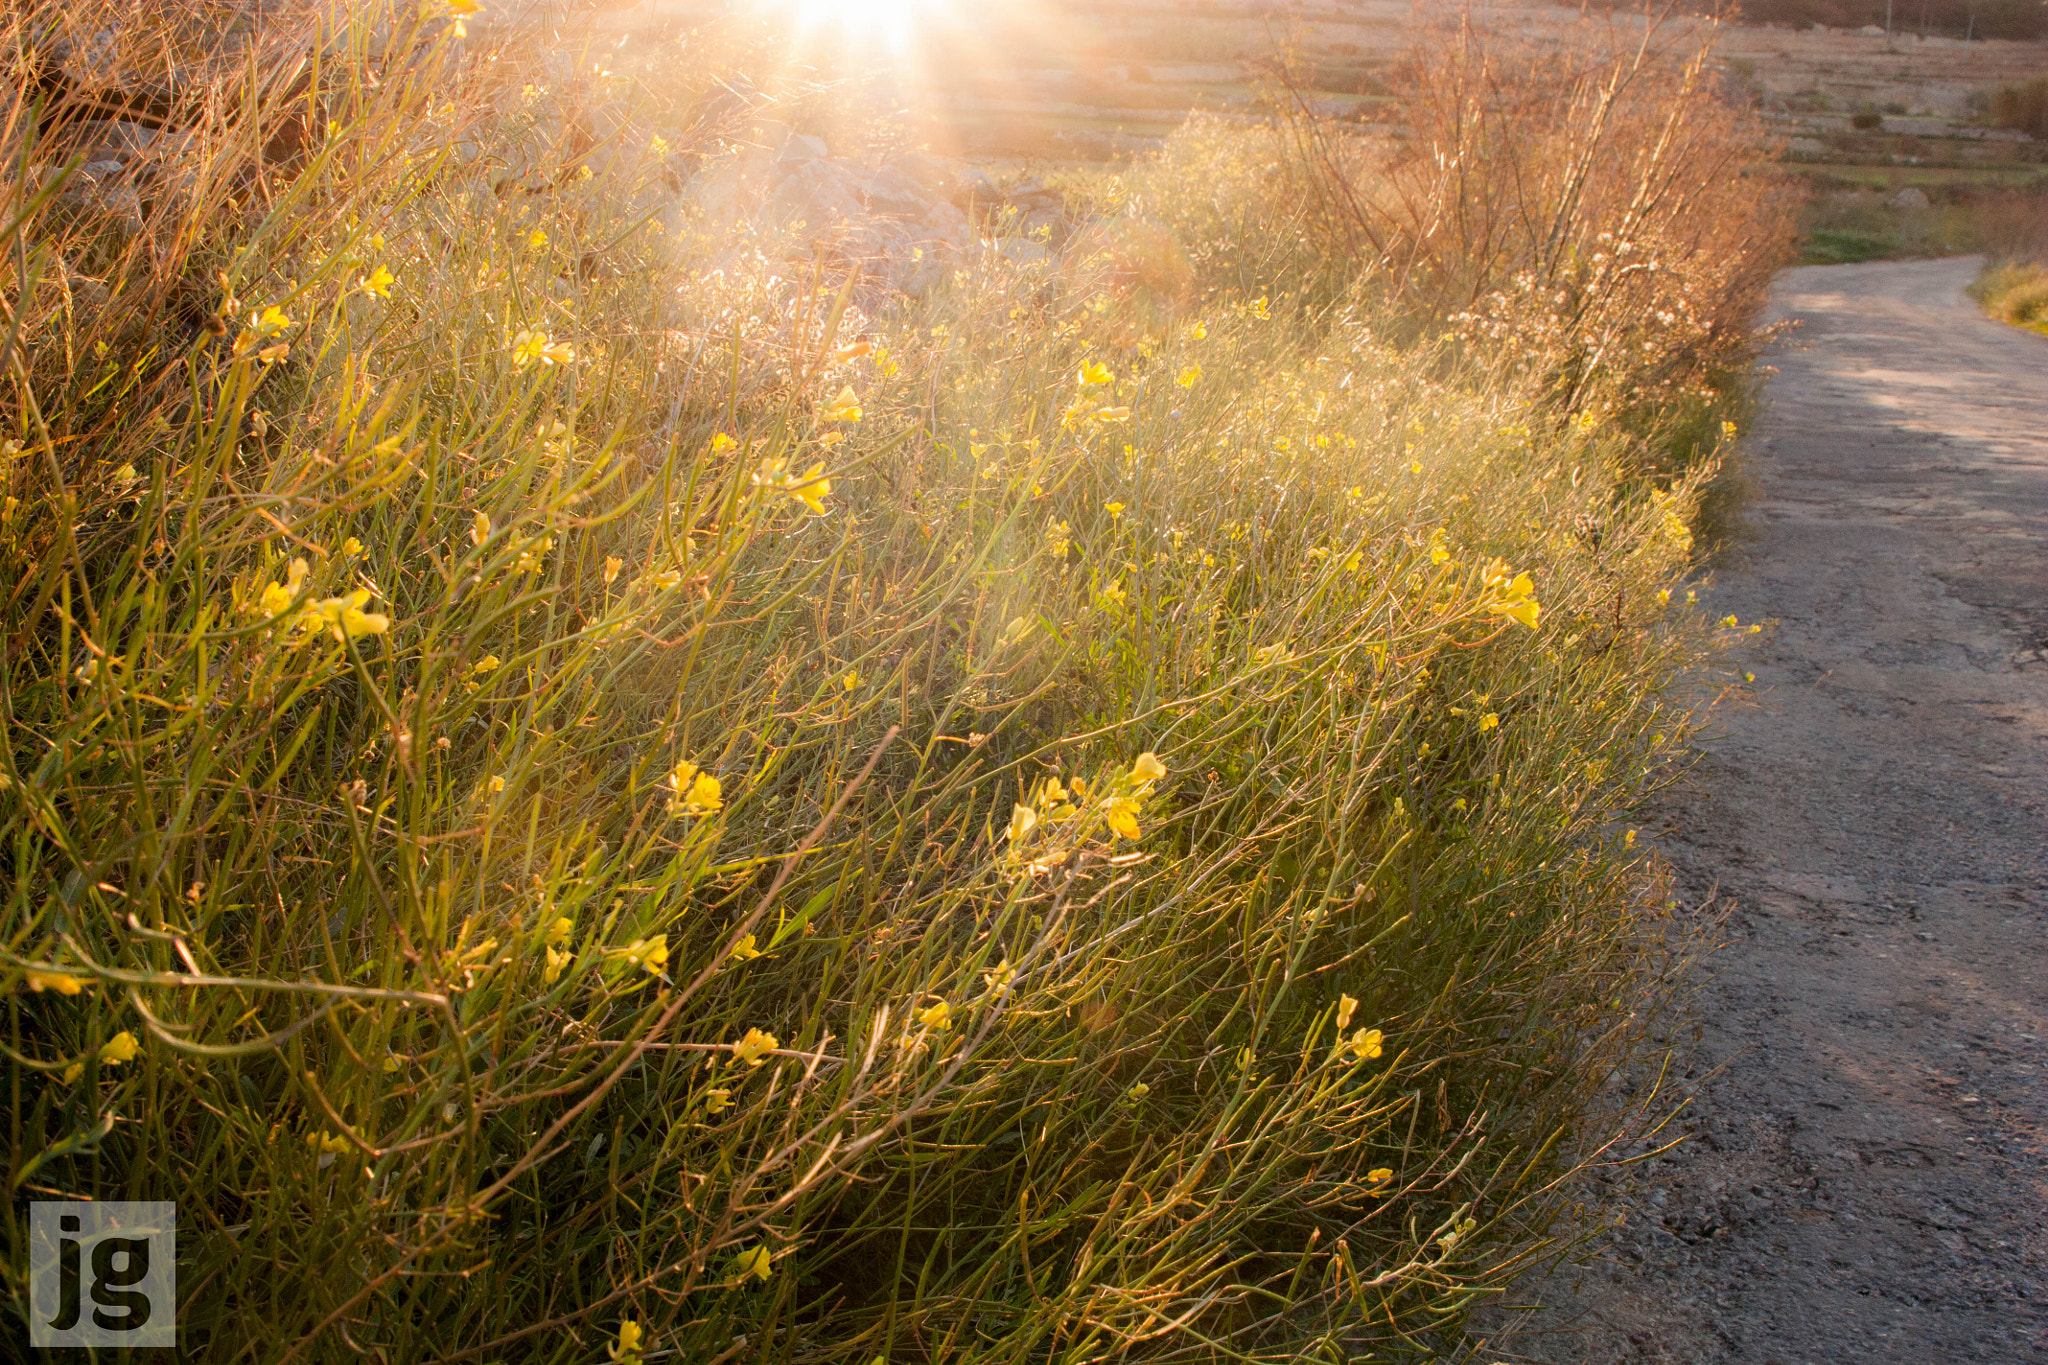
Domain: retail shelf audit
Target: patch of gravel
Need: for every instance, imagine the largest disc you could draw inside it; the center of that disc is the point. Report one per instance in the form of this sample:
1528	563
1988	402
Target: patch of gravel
1866	1175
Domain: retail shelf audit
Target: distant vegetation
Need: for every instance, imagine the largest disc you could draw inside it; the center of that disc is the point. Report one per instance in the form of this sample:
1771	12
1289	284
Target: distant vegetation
2023	106
574	785
2021	19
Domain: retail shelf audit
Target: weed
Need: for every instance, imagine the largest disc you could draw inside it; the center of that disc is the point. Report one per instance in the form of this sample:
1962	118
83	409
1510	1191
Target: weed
619	799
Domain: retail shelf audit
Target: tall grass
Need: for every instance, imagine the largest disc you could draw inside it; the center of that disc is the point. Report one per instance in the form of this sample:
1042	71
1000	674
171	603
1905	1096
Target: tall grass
560	772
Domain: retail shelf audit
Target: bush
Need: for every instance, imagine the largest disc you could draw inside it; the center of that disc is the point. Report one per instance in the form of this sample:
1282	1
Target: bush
2015	292
1586	220
2023	106
1866	120
559	773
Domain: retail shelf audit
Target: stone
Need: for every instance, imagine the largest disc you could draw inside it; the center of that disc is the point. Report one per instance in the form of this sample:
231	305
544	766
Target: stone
1911	197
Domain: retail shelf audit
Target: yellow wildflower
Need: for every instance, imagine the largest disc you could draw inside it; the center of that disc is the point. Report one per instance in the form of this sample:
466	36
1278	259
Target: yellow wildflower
844	407
346	618
122	1047
754	1262
648	954
556	961
278	597
1489	721
939	1016
1515	598
1095	372
351	547
1189	376
1260	310
1122	814
811	489
270	321
458	12
717	1100
1023	820
744	950
1148	768
1365	1044
378	282
559	931
696	792
1380	1175
1115	510
479	528
1346	1006
530	346
612	565
752	1049
61	982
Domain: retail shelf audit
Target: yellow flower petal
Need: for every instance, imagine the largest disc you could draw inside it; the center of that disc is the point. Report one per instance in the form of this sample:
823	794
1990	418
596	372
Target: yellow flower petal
1123	817
1366	1044
752	1049
61	982
844	407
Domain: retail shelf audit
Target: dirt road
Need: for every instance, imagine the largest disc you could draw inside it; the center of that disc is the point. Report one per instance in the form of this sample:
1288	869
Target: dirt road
1868	1179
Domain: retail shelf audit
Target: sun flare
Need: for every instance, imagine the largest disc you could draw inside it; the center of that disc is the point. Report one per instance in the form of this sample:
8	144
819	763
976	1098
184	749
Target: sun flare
890	23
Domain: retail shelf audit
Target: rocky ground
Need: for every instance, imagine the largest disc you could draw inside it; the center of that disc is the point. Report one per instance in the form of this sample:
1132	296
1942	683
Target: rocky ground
1867	1172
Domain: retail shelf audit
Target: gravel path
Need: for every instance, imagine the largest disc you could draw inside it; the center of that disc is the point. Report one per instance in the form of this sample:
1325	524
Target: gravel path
1868	1175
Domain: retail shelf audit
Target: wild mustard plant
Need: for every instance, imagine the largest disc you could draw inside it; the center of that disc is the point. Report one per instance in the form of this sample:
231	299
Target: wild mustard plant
560	797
